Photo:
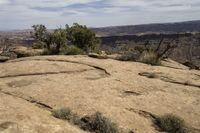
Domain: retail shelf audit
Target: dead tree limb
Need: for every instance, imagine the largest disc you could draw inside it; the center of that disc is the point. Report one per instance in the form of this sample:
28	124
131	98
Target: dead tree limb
5	46
160	43
159	50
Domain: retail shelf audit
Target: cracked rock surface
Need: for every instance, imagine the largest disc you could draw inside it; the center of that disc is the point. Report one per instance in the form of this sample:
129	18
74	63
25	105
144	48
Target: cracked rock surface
126	92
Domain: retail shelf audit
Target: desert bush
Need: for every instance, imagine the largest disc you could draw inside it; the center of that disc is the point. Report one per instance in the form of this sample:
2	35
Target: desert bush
149	57
54	41
139	48
38	45
5	46
129	56
62	113
66	114
82	37
171	123
72	50
93	123
98	124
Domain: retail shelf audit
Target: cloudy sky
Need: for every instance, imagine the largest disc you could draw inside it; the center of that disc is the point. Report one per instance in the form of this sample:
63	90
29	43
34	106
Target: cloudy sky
21	14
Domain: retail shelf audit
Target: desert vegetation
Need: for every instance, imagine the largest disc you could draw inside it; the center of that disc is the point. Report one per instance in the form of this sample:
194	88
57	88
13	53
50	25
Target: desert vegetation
63	113
149	57
149	52
5	46
171	123
76	39
97	123
94	123
181	47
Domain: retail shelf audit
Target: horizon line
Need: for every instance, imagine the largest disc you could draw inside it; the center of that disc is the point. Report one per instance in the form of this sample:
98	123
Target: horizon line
110	26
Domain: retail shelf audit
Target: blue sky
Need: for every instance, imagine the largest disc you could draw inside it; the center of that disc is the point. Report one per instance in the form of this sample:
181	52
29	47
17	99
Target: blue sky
21	14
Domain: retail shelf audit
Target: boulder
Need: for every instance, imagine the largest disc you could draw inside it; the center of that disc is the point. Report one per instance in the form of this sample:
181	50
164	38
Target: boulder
191	65
4	58
98	56
21	51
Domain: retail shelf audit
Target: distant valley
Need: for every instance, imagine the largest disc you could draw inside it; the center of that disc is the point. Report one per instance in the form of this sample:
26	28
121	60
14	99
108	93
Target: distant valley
157	28
121	38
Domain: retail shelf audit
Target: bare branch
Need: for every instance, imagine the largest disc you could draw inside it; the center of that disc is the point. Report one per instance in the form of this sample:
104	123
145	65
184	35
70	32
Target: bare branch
160	43
146	45
169	47
5	46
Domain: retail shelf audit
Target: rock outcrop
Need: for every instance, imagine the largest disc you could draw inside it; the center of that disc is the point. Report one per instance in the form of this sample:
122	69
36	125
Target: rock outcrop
126	92
3	58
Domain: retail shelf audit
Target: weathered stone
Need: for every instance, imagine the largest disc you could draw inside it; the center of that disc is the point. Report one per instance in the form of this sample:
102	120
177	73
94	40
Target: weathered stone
21	51
4	58
122	91
98	56
191	65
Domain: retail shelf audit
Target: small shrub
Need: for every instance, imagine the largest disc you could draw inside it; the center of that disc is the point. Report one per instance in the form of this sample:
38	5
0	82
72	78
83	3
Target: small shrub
129	56
171	123
38	45
73	50
66	114
98	124
94	123
139	48
149	57
63	113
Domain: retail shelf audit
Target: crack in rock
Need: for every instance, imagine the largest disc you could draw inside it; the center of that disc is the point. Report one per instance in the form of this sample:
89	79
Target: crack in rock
180	83
130	93
45	73
29	99
167	79
153	118
142	113
57	60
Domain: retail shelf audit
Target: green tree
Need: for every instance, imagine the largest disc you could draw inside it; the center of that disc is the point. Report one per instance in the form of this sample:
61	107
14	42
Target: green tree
77	35
40	32
54	41
81	37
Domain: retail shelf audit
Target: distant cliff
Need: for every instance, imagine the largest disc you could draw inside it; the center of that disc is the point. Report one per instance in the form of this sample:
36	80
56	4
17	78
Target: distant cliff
167	28
188	44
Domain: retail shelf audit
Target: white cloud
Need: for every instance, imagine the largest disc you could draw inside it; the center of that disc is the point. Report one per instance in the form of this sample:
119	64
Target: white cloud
4	2
128	2
50	3
16	14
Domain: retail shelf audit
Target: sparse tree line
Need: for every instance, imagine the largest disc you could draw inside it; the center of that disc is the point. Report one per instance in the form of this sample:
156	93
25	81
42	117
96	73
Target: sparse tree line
78	39
75	39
